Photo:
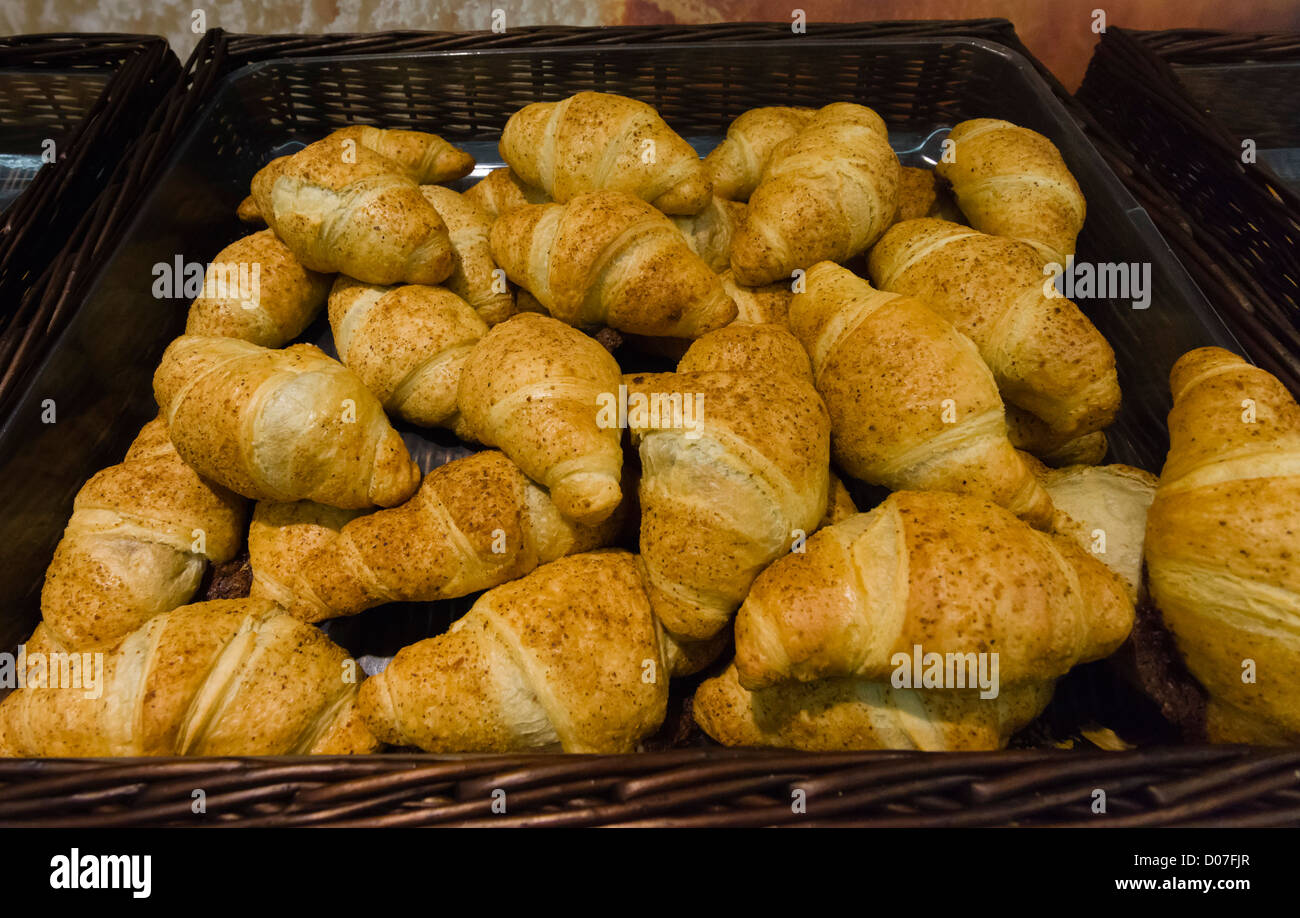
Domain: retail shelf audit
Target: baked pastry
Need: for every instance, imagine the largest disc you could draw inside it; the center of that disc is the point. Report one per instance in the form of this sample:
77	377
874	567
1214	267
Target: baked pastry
943	572
1222	544
568	657
709	232
610	259
141	535
229	677
355	212
426	157
280	425
256	290
912	405
1011	181
597	141
475	278
827	194
736	165
501	191
408	345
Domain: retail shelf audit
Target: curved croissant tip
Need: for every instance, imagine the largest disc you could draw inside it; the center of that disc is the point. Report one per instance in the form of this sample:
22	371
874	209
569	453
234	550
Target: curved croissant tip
587	498
685	198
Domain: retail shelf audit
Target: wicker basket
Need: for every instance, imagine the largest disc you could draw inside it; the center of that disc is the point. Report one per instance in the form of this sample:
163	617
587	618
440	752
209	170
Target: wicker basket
1234	225
692	782
91	95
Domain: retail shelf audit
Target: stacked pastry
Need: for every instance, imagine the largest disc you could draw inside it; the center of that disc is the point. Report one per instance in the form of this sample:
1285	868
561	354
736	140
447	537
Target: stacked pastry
484	313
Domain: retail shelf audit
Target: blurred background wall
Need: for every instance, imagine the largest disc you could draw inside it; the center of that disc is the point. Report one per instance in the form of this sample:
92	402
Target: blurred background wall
1059	32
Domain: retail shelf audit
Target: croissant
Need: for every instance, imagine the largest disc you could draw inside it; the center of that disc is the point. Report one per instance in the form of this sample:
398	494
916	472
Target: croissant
1011	181
1046	355
281	537
569	657
1103	508
534	388
256	290
501	191
708	233
911	404
140	537
724	490
845	714
407	344
475	523
609	259
944	572
918	194
595	141
427	158
839	504
354	212
280	425
229	677
475	278
750	348
827	194
735	165
1222	544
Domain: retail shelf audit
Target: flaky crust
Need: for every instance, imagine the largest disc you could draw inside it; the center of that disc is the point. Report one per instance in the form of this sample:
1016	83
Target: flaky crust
709	232
475	523
280	425
845	714
281	537
826	195
1222	543
474	277
768	304
736	164
1047	356
353	211
408	345
721	501
287	296
229	677
595	141
568	656
1011	181
609	259
911	403
950	573
138	542
532	387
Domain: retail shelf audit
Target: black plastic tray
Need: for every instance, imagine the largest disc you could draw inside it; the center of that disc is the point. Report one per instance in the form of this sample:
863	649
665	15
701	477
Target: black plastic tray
98	374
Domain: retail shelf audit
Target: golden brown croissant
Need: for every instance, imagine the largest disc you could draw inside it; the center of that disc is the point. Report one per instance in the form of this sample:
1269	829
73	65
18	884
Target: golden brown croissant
137	544
595	141
280	425
912	406
536	388
501	191
709	232
839	505
827	194
475	523
1047	356
844	714
730	480
918	194
1011	181
1032	434
407	344
229	677
762	348
256	290
610	259
1222	543
427	158
736	164
354	212
569	657
943	572
475	278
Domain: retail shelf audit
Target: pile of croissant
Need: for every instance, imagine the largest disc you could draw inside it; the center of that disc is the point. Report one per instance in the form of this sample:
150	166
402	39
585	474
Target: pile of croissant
715	536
